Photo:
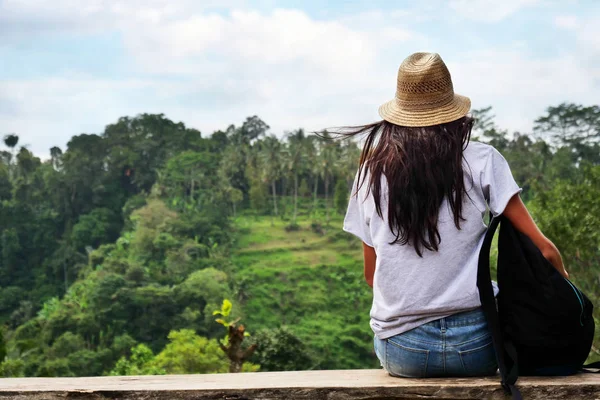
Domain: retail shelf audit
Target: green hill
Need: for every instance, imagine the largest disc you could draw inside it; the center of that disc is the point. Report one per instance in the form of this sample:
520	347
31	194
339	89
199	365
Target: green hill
309	281
115	253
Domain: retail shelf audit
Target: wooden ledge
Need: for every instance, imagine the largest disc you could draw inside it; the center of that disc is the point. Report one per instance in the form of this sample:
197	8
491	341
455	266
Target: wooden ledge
304	385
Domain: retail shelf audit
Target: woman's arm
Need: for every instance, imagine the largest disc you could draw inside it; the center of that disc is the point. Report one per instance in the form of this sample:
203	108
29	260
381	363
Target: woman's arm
370	258
518	214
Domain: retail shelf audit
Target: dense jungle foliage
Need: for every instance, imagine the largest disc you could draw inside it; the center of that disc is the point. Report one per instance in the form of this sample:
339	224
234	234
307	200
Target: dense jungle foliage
115	251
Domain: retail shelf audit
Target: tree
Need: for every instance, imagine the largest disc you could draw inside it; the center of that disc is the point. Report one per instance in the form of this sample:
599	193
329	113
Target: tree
12	368
188	353
2	347
11	142
574	126
84	177
220	140
5	157
66	261
56	157
280	350
232	167
101	225
152	222
5	183
138	147
235	196
191	178
295	160
258	195
528	160
569	214
252	129
484	120
488	131
270	157
313	149
11	255
571	124
27	164
341	196
304	191
326	165
115	252
205	290
235	337
141	362
348	161
53	212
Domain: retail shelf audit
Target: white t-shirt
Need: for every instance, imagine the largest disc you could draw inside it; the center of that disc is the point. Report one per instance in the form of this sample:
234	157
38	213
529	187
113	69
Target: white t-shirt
408	290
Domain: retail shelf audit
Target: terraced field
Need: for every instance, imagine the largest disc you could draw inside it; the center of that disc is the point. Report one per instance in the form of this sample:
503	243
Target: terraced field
310	280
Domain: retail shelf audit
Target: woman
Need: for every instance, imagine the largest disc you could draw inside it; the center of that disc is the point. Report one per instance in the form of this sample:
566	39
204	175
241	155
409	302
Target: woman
418	202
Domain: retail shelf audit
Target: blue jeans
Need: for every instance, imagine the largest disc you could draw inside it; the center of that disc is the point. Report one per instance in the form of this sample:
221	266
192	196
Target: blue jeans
458	345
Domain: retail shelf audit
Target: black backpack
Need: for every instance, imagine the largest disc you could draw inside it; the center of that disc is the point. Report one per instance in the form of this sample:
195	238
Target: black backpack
543	324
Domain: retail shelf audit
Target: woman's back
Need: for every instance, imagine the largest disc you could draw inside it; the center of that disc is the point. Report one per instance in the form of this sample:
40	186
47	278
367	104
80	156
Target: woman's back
410	290
418	204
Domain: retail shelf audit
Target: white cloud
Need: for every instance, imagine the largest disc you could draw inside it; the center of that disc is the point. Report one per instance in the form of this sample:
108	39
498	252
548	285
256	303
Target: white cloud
26	18
256	43
489	10
588	35
286	67
212	69
520	87
566	21
207	69
586	46
47	112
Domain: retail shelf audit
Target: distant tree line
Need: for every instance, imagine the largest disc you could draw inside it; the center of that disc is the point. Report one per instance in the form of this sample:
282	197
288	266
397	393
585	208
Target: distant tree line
115	251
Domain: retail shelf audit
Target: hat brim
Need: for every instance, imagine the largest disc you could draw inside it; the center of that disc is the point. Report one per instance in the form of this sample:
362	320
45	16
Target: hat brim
455	109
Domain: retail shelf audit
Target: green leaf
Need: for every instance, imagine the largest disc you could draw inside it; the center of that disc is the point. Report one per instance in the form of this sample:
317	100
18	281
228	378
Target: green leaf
226	309
222	322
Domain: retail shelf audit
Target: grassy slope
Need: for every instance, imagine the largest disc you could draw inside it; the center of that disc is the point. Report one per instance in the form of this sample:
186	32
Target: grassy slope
310	282
313	284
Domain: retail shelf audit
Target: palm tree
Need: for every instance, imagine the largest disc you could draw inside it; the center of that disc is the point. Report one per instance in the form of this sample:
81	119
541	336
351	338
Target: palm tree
349	158
271	164
232	168
294	161
313	145
233	194
56	154
327	159
325	165
11	140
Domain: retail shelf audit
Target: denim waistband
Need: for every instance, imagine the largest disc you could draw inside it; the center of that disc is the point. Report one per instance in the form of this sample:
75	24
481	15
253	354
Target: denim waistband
464	318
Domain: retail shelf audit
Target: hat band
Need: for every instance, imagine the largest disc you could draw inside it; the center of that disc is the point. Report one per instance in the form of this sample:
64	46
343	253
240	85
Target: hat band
420	103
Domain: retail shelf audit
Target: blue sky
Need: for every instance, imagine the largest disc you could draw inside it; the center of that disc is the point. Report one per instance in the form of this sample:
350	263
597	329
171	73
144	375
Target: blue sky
70	67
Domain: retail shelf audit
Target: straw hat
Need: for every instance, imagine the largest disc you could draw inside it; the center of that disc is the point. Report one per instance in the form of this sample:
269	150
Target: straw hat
424	95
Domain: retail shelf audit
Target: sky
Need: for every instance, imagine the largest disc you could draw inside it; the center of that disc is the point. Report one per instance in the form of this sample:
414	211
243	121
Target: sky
71	66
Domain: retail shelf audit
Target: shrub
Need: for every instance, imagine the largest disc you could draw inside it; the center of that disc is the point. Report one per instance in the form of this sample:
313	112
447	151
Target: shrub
293	227
317	228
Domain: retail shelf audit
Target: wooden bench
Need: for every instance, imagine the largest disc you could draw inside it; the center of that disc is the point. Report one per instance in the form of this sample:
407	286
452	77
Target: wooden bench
304	385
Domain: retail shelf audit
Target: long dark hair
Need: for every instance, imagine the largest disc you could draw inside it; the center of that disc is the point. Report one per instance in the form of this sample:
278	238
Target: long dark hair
423	166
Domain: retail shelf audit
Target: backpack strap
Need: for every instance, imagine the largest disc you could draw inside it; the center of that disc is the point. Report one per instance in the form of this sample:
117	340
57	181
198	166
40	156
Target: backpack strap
592	366
488	303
